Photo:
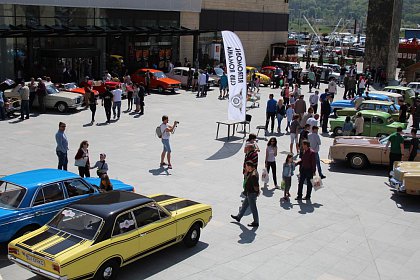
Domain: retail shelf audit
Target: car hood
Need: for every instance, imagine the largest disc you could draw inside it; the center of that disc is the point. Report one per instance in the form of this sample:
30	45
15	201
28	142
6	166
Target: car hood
262	76
169	81
356	140
342	103
117	184
66	94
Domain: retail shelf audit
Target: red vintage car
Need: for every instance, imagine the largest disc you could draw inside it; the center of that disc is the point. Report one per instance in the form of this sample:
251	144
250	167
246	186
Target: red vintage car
101	86
268	71
72	87
158	80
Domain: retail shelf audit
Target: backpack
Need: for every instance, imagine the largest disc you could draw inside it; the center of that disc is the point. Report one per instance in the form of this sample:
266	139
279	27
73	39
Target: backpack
158	132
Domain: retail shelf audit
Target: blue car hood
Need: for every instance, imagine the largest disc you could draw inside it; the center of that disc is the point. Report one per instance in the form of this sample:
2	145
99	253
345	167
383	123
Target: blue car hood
117	184
342	104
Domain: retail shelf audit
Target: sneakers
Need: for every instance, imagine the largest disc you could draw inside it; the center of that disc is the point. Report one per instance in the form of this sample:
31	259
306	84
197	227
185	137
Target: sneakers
236	218
253	224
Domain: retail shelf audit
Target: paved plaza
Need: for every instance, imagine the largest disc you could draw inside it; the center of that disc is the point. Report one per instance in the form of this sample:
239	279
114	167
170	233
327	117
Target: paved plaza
354	228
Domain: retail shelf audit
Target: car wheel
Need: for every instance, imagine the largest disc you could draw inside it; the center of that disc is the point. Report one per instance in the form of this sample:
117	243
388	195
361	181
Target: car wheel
108	271
160	89
358	161
62	107
192	236
338	131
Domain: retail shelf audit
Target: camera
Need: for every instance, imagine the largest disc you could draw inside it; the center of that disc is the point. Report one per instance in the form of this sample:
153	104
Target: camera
176	122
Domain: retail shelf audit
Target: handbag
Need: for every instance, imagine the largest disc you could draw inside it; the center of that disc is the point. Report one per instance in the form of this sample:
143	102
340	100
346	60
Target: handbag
264	176
317	183
81	162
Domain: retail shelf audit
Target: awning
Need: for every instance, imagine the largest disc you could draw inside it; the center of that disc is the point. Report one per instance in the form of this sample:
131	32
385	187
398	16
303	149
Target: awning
16	31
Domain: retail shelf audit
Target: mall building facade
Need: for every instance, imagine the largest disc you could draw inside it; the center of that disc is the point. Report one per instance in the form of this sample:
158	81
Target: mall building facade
48	37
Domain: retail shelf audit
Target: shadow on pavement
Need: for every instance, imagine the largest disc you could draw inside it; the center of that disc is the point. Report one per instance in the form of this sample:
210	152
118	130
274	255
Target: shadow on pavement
160	171
227	150
286	204
306	206
158	262
266	191
372	170
406	202
247	235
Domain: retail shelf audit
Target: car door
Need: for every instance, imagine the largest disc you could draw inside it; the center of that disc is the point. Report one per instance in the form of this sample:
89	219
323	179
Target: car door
47	201
125	233
156	227
377	126
367	125
139	77
184	77
50	98
77	189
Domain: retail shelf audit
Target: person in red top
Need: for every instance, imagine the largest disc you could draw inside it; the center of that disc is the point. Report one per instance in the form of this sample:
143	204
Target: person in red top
306	170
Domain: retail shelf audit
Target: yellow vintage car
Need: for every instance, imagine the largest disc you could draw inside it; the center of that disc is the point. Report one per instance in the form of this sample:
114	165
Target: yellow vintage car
405	177
264	79
94	237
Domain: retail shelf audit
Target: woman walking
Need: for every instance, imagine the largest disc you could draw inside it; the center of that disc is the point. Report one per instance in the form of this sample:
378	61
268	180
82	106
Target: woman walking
281	113
92	105
82	159
270	158
288	170
129	88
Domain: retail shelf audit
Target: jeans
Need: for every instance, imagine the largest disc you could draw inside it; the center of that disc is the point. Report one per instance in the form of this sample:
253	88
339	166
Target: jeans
272	165
251	201
201	90
268	117
108	112
305	175
32	96
117	104
24	109
279	119
325	123
129	100
62	160
318	164
315	107
93	110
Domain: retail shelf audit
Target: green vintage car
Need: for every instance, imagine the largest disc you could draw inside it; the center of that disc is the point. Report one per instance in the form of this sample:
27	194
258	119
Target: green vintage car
376	105
407	92
377	124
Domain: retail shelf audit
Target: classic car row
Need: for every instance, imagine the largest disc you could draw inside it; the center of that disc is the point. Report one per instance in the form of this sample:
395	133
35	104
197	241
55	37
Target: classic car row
64	228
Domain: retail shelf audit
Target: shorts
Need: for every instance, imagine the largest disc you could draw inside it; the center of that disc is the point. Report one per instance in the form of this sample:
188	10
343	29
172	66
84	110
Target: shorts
293	138
166	145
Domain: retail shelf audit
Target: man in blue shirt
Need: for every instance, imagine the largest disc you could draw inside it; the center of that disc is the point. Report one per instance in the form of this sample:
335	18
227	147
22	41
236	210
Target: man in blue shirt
62	146
271	112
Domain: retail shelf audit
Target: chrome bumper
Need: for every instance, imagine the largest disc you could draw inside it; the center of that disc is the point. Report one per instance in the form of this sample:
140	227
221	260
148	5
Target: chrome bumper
35	269
397	185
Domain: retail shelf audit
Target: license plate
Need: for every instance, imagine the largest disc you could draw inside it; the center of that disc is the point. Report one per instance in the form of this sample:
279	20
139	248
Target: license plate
34	260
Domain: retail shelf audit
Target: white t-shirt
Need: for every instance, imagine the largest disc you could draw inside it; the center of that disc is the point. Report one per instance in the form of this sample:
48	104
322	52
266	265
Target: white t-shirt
117	94
271	154
312	122
165	134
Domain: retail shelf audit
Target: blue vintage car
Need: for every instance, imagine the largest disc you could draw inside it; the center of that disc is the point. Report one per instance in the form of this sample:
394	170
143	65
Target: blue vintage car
28	200
349	103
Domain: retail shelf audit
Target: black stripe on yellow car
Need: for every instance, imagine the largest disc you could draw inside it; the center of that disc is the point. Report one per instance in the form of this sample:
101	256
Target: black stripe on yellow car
163	197
63	245
33	252
40	237
129	239
150	250
179	205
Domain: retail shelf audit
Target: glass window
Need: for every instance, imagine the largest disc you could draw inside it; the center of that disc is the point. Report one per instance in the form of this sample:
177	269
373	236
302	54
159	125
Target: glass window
53	192
177	72
76	222
185	73
147	215
123	224
377	120
39	199
77	187
10	195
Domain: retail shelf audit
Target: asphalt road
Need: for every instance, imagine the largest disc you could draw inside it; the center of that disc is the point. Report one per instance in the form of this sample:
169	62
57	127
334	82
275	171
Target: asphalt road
354	228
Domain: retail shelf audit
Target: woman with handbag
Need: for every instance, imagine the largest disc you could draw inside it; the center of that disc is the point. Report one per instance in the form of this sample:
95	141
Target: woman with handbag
82	159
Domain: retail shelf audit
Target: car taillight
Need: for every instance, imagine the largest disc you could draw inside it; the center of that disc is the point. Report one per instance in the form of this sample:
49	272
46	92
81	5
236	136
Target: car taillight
13	251
56	267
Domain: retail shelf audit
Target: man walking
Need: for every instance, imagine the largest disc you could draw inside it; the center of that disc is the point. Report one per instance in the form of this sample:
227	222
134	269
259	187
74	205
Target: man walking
300	106
202	83
24	97
332	88
325	114
306	170
311	78
270	112
62	146
41	92
397	147
166	133
313	101
251	192
315	142
117	93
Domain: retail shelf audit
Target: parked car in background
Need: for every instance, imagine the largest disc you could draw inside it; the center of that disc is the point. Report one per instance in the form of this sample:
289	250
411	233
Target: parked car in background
359	151
286	64
181	74
55	98
384	106
414	86
349	103
264	80
406	92
72	87
158	80
96	236
376	124
268	71
216	75
30	199
405	177
392	96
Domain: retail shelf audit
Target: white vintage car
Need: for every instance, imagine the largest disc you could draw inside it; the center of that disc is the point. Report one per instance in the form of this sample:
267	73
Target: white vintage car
181	74
61	100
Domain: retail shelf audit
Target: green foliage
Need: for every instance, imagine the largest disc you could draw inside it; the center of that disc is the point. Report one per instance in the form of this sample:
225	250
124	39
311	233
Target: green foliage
330	11
266	61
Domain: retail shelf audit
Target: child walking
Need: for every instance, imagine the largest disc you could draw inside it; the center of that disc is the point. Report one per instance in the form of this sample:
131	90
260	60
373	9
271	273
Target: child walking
288	171
101	165
270	158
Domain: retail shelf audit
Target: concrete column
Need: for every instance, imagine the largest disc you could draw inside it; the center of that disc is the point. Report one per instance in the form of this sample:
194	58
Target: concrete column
189	20
382	35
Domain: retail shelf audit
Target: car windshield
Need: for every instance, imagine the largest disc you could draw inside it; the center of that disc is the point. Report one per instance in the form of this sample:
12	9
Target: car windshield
159	75
77	223
51	89
384	140
70	86
218	71
11	195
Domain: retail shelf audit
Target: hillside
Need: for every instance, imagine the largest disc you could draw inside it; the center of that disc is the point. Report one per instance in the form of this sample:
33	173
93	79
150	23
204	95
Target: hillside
330	11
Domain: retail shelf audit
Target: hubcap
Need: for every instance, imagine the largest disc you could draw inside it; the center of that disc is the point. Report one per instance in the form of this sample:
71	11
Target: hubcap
194	234
108	272
61	107
357	161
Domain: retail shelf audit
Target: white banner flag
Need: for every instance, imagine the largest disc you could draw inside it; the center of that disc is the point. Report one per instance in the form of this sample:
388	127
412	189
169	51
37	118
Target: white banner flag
236	73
